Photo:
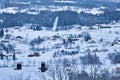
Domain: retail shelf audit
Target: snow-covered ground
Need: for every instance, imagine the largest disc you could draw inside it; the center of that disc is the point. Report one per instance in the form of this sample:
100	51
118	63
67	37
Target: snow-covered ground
107	34
11	10
62	1
38	8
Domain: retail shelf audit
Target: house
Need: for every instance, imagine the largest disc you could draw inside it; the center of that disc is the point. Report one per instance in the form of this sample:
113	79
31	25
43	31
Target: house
55	37
16	27
95	50
103	27
104	50
88	50
36	27
4	41
7	36
91	42
92	28
18	52
31	55
74	39
2	46
19	38
118	42
34	55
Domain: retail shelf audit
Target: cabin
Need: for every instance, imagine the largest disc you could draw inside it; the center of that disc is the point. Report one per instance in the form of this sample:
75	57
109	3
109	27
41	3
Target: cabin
91	42
7	36
103	27
78	28
19	38
4	41
88	50
34	55
116	42
31	55
36	27
95	50
92	28
16	27
104	50
55	37
74	39
18	52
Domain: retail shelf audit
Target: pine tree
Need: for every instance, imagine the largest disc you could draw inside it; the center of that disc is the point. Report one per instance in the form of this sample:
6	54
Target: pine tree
1	55
1	33
14	56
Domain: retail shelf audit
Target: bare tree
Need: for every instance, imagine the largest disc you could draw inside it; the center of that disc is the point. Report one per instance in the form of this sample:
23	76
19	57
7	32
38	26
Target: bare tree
57	70
94	71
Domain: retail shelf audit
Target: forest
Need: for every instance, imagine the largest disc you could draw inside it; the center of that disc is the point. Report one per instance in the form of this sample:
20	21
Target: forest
66	18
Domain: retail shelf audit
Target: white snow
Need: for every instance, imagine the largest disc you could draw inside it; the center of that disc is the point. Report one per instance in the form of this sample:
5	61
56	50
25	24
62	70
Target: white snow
34	13
33	63
117	9
11	10
62	1
37	9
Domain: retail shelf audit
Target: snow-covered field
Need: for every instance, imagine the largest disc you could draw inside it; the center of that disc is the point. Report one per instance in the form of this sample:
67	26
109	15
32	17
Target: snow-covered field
38	8
31	64
67	52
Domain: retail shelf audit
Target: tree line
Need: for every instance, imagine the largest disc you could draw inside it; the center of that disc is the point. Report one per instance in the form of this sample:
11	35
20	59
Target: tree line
66	18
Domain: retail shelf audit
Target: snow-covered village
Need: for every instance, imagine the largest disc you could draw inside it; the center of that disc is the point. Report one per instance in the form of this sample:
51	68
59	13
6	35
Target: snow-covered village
59	40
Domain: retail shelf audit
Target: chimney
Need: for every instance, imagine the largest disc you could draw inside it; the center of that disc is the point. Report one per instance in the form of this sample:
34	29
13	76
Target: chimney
43	67
18	66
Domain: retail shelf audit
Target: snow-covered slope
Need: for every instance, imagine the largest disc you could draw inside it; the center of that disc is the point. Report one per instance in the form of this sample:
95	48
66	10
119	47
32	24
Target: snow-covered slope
48	47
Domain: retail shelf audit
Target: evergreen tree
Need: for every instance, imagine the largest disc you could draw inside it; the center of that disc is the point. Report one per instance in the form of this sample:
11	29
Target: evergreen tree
1	33
1	55
86	36
14	56
10	47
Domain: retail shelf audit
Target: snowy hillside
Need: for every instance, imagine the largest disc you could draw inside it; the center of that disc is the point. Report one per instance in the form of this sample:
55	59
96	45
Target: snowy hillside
59	40
71	45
